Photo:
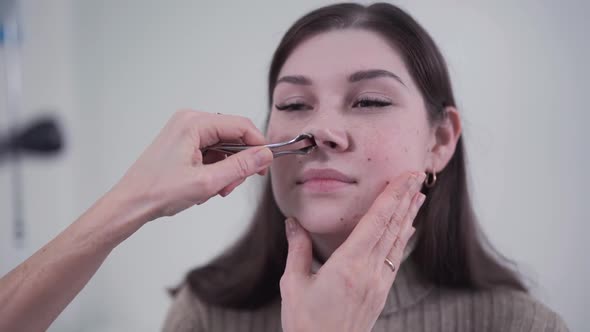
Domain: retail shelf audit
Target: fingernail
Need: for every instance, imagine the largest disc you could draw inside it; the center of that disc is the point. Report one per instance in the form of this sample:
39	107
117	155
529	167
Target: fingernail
291	227
422	177
421	199
263	157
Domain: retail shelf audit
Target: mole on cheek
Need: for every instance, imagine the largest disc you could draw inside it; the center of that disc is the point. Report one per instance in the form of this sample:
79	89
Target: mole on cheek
368	159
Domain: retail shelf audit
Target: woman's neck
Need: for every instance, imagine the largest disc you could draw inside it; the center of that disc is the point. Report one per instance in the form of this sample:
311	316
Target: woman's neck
324	245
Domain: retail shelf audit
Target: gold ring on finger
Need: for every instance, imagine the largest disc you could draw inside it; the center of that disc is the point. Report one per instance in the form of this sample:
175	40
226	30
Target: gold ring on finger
390	264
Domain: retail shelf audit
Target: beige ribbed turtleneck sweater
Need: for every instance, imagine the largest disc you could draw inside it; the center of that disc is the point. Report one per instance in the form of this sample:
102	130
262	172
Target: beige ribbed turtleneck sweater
412	305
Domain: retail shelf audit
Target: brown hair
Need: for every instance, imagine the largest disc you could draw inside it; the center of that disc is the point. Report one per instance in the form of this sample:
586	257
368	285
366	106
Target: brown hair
451	250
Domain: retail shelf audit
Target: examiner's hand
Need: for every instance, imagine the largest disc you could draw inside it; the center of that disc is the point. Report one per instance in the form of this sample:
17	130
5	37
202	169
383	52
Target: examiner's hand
172	174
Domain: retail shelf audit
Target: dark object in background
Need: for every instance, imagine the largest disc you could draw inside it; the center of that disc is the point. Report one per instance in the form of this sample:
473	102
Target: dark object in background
40	137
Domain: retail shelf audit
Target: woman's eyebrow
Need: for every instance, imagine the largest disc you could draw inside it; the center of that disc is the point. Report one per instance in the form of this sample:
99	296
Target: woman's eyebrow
352	78
371	74
295	79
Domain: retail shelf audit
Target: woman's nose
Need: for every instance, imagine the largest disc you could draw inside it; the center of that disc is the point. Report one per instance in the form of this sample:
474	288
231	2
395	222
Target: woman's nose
330	139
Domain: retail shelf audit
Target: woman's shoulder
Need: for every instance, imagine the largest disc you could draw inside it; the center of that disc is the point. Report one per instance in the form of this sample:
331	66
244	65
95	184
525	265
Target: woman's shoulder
504	309
186	313
189	313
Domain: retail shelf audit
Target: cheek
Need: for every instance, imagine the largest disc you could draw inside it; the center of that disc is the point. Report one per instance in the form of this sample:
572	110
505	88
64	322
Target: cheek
389	152
282	180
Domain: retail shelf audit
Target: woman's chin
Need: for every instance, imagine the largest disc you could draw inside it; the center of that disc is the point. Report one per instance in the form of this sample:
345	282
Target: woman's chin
326	224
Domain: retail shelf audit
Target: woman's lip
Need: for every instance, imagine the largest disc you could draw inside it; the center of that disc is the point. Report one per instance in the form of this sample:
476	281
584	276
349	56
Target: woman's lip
324	175
318	185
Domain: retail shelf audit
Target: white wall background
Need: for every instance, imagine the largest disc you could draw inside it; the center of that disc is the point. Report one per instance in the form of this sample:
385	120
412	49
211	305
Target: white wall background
116	71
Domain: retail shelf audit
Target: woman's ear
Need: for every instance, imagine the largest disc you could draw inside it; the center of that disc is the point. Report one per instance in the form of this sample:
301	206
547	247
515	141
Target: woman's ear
446	134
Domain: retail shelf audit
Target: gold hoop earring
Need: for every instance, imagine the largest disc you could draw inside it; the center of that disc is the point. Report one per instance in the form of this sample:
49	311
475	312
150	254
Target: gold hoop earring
430	179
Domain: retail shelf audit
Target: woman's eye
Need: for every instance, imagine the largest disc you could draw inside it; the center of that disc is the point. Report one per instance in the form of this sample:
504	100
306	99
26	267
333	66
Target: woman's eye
293	107
372	102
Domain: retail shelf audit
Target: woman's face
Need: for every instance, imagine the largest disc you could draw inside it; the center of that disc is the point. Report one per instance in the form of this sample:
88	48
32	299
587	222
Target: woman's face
352	91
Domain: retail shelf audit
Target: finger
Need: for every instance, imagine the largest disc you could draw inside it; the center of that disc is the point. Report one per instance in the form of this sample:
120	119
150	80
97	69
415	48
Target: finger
408	223
212	156
214	128
263	172
399	220
234	168
228	189
396	257
299	257
397	247
373	224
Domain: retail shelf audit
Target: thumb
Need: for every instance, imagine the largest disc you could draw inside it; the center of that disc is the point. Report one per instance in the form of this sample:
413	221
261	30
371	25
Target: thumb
299	256
237	167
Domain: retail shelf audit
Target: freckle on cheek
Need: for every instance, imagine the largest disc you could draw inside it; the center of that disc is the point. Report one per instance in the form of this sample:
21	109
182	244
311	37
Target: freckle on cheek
341	219
368	159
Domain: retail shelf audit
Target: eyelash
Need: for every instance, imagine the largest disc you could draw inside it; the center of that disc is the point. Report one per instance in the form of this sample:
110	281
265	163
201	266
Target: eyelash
366	101
372	102
297	106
